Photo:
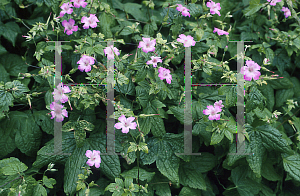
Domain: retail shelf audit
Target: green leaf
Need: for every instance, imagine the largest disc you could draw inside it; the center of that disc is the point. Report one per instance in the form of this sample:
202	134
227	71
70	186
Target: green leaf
13	64
254	7
191	176
10	31
143	174
243	183
195	9
256	147
281	83
282	61
268	171
142	96
73	168
18	89
291	165
39	190
4	76
6	98
44	155
283	95
296	88
141	74
255	99
49	182
217	137
80	185
187	191
12	166
167	163
44	121
105	22
272	139
135	10
268	93
110	165
157	126
2	50
297	42
122	79
178	113
28	136
148	30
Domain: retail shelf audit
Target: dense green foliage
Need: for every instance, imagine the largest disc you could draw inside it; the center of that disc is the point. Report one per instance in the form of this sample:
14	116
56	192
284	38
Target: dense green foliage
148	164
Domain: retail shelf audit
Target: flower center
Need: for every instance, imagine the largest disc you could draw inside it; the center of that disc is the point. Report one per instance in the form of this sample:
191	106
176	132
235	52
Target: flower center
147	45
251	69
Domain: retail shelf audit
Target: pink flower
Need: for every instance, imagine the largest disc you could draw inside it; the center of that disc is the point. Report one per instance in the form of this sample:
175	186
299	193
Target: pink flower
212	112
90	21
147	45
59	93
154	60
110	53
179	8
214	7
184	11
164	74
219	104
186	40
69	26
85	63
251	70
286	11
58	112
125	124
273	2
78	3
94	158
66	8
220	32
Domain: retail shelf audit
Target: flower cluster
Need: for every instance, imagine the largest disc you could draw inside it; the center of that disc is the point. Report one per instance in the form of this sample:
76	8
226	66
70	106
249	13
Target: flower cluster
59	96
94	158
70	24
184	11
212	111
251	70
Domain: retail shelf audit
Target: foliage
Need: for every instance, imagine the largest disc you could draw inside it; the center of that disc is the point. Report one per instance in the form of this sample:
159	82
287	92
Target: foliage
148	160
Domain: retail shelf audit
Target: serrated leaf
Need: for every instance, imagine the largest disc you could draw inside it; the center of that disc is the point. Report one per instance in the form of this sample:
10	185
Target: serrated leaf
28	136
217	137
157	126
110	165
135	10
44	155
49	182
291	165
178	113
255	146
272	139
39	190
12	166
191	176
18	89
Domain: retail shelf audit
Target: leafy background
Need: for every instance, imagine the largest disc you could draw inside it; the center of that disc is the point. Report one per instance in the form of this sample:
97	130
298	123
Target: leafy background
27	130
